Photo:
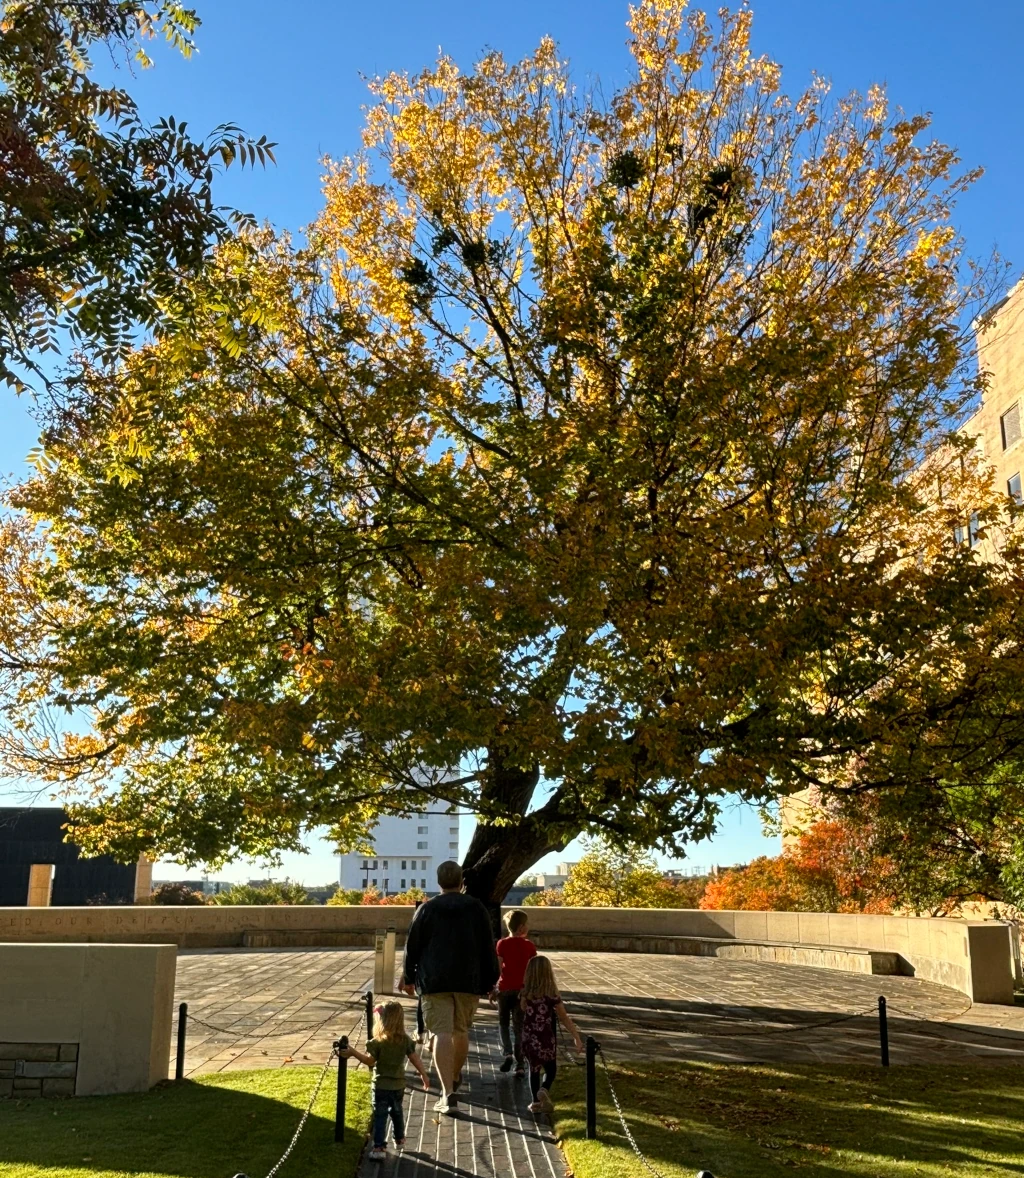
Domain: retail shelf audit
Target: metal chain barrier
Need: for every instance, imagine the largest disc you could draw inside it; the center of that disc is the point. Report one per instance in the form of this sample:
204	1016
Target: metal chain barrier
261	1033
305	1116
738	1032
594	1050
966	1030
622	1119
568	1052
790	1030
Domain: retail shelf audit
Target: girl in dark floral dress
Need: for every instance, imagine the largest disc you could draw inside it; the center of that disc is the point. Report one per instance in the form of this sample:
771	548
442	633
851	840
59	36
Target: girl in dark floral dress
542	1004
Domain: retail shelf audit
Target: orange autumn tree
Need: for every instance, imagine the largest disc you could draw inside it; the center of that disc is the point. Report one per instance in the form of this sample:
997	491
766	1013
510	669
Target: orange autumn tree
843	872
764	885
831	868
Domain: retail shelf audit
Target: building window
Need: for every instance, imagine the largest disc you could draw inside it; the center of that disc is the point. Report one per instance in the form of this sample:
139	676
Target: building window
1009	426
453	830
366	883
421	830
1013	488
365	864
423	884
974	530
421	846
403	864
403	885
374	881
453	846
959	534
423	865
385	864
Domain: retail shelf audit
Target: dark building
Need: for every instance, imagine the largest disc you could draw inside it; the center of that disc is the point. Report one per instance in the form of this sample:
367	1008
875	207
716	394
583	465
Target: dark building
31	835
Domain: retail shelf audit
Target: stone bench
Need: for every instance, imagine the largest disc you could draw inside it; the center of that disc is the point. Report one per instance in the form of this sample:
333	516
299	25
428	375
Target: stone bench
863	961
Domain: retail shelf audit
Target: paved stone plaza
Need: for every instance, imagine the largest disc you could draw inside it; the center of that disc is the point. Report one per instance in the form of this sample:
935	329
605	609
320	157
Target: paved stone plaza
276	1008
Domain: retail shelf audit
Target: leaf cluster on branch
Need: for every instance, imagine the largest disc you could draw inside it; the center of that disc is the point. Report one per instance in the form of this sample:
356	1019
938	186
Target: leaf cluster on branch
101	213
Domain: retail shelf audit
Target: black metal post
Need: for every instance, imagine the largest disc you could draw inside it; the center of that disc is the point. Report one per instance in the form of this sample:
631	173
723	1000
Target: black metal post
339	1104
179	1063
591	1088
368	999
883	1031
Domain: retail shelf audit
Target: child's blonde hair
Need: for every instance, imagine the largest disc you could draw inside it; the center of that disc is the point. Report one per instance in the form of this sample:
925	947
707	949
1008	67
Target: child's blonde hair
516	920
539	981
389	1021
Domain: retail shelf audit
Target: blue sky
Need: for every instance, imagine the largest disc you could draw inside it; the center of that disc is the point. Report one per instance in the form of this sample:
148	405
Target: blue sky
295	73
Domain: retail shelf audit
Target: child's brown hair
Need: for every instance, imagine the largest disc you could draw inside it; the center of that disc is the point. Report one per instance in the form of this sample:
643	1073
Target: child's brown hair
516	920
540	979
389	1021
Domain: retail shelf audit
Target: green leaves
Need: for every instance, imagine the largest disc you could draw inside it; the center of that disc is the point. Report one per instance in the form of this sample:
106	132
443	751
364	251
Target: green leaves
103	214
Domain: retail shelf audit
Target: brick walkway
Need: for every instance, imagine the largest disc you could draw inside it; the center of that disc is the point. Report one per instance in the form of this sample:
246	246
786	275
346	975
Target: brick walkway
494	1134
268	1005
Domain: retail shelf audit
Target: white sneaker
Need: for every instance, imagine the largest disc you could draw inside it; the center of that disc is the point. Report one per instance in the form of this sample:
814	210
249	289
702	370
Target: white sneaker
378	1153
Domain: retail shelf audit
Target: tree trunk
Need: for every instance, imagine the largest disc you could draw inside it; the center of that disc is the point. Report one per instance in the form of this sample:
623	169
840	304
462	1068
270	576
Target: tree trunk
498	855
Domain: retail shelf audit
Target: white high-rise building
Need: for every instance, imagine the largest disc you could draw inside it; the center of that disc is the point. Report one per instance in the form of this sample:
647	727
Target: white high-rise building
406	853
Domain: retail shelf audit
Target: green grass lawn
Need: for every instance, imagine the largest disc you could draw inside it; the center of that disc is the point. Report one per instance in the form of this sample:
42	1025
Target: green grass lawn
211	1127
758	1122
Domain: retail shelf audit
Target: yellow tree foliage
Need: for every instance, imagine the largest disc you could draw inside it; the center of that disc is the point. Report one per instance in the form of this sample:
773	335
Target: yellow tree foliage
609	878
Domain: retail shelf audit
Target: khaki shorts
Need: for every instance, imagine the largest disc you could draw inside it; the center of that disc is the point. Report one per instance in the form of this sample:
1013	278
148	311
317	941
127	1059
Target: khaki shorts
447	1014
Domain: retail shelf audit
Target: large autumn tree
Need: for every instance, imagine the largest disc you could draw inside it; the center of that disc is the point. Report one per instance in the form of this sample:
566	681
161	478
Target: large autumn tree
572	473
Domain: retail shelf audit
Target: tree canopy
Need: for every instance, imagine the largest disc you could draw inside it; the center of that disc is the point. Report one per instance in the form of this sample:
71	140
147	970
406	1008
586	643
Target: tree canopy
607	877
832	867
102	213
286	891
929	850
589	463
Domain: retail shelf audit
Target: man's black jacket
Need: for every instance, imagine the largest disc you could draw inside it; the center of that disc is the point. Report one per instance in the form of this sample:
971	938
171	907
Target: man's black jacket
450	947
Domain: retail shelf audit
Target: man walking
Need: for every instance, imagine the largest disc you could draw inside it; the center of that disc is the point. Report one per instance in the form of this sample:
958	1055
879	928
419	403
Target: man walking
450	960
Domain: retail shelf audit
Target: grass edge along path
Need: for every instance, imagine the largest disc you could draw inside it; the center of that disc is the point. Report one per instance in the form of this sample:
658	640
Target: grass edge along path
761	1121
209	1127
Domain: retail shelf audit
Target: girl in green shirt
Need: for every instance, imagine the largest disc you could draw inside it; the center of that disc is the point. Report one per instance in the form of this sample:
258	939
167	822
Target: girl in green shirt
386	1054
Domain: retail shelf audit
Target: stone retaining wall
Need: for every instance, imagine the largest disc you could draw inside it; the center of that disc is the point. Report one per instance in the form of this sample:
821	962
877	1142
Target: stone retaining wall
209	927
971	956
38	1069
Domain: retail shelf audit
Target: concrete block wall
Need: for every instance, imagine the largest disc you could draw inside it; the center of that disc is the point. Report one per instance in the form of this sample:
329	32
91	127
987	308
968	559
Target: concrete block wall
110	1004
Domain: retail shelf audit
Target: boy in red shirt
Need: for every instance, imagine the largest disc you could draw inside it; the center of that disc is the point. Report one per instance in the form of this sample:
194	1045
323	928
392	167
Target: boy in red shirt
514	953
